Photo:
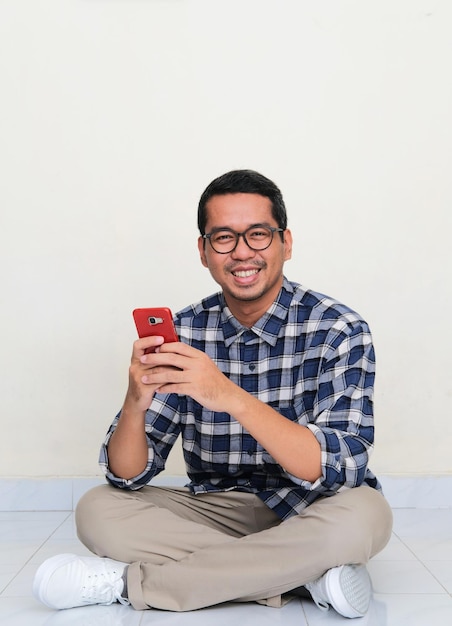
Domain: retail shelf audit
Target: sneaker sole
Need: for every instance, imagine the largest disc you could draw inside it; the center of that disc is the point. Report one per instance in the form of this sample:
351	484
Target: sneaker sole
356	587
43	575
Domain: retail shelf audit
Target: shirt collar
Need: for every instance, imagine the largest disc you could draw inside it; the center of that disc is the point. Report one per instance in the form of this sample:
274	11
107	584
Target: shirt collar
267	327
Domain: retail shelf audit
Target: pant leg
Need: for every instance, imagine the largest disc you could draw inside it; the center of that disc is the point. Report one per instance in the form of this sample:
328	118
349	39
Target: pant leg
158	524
349	527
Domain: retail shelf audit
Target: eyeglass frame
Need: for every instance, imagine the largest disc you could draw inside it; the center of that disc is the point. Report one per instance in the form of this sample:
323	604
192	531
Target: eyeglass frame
237	235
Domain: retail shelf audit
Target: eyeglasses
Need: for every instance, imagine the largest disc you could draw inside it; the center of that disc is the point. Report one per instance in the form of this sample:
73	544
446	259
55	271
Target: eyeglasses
258	237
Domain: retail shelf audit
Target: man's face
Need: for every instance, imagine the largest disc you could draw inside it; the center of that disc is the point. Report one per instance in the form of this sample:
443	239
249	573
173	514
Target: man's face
245	275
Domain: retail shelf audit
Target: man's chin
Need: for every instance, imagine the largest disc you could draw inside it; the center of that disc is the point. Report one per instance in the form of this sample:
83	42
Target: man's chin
246	293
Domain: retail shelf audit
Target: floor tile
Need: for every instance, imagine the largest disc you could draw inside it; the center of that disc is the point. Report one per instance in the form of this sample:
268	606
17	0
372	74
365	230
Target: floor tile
426	533
112	615
431	548
66	530
247	614
51	548
17	554
419	523
55	517
7	573
26	612
411	610
403	577
412	579
19	530
390	610
442	571
396	550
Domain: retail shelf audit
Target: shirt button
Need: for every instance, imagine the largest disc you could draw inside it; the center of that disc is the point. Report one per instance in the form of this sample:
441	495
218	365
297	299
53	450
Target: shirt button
252	367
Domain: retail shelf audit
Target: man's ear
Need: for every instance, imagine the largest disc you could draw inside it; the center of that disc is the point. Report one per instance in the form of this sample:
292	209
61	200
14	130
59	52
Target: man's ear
288	241
202	251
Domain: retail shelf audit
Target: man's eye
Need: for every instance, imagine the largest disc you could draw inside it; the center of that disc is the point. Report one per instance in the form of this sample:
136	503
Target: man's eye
223	237
258	234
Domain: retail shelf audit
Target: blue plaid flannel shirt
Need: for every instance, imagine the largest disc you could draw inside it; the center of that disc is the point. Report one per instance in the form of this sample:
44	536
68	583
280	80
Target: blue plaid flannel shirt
311	359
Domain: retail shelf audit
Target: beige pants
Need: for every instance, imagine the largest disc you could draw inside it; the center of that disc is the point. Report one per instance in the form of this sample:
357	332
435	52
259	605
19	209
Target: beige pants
188	552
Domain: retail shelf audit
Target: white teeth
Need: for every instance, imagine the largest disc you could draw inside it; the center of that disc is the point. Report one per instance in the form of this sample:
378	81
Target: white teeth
245	273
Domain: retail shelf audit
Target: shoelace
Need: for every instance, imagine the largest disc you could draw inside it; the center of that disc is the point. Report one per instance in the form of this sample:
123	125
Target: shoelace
104	591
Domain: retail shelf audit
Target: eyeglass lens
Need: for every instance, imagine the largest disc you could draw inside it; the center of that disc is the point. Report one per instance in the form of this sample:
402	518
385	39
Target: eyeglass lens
257	238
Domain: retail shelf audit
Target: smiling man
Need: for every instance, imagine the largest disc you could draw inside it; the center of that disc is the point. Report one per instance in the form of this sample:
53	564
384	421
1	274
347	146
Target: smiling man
271	390
241	258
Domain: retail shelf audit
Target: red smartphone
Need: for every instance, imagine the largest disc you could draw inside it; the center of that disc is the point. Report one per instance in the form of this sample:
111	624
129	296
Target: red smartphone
155	321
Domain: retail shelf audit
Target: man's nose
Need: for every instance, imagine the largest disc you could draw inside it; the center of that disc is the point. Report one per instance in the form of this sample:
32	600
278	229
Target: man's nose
242	249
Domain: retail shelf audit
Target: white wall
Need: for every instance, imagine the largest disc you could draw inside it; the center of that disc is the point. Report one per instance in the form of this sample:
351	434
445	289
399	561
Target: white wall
114	116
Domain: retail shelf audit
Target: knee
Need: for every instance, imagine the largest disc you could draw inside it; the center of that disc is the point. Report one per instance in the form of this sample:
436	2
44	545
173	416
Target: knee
91	516
352	526
380	519
372	526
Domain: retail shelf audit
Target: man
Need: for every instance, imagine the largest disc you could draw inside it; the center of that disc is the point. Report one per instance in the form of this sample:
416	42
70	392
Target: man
271	390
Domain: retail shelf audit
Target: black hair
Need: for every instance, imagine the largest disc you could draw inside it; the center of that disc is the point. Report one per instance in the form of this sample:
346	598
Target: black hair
243	181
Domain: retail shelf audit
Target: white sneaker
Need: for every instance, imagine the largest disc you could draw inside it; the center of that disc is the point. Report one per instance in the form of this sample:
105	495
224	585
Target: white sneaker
67	580
347	589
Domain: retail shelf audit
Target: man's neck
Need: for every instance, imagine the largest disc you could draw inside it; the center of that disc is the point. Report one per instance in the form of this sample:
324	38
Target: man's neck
247	316
248	312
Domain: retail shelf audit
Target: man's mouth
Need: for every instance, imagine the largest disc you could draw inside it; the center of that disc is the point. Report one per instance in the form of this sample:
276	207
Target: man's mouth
245	273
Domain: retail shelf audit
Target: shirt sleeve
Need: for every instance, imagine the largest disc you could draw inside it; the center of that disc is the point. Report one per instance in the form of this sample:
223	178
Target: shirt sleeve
162	429
342	414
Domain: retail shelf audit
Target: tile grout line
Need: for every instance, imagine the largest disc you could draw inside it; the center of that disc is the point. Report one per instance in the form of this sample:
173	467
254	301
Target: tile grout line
419	560
41	545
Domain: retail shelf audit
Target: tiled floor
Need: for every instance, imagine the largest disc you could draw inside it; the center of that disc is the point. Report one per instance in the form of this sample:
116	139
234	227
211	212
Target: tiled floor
412	580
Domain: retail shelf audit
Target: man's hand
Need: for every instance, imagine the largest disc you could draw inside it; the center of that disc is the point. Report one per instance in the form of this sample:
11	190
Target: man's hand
128	447
179	368
139	395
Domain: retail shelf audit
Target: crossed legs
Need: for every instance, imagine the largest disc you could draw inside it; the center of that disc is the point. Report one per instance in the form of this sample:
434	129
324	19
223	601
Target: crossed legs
187	552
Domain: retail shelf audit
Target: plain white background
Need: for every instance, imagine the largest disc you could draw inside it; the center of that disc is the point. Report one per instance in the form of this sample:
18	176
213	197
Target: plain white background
116	114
